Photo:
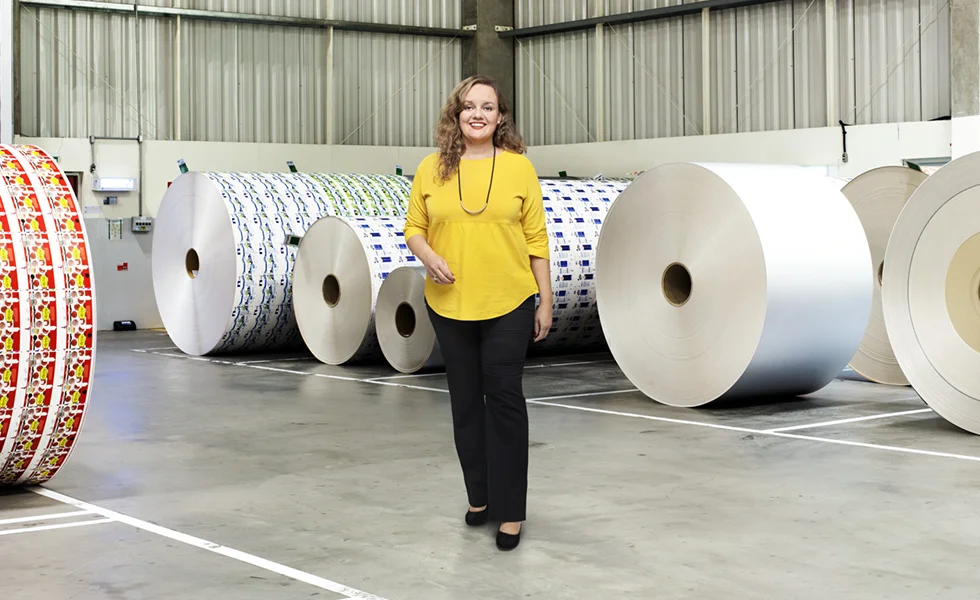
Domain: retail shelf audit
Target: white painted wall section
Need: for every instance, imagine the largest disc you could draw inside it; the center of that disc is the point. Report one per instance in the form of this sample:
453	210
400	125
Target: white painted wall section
6	71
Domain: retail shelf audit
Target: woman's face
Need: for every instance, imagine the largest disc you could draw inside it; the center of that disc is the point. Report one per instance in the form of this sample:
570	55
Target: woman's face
480	115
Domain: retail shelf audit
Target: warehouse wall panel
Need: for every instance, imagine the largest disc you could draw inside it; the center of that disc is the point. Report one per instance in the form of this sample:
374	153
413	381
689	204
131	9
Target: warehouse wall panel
768	68
764	54
552	81
390	90
235	82
810	64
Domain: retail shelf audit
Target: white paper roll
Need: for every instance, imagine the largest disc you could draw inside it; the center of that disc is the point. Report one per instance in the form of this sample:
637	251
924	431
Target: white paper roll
931	301
405	332
574	212
47	317
878	197
726	281
340	266
221	268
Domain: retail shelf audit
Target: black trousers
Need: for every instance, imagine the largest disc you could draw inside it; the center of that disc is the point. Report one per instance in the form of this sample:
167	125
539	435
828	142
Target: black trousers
485	371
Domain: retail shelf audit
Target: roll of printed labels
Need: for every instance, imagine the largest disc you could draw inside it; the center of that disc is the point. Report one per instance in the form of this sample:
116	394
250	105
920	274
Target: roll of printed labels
340	266
222	267
405	332
729	281
574	212
47	317
878	197
931	298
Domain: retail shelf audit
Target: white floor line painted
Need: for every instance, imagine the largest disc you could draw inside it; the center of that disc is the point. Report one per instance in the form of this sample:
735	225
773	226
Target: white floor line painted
269	360
903	413
58	526
238	555
765	432
583	395
545	402
65	515
404	385
616	413
230	363
876	446
569	364
411	376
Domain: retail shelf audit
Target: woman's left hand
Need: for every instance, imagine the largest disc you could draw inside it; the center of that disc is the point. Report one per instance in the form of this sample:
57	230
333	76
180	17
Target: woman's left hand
542	322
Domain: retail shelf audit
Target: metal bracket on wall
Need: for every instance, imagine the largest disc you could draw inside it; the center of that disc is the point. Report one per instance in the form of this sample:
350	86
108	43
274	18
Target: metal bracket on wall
843	129
469	27
499	28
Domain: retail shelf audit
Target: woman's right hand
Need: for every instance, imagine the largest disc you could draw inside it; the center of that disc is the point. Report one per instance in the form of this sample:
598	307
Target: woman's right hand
438	269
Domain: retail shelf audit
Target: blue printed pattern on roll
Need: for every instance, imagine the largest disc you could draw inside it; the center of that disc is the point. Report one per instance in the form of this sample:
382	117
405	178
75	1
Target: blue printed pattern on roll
575	211
265	209
384	245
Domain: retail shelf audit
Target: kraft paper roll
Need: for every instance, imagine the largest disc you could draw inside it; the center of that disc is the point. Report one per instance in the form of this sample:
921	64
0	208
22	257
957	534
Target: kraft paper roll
340	266
931	300
405	332
47	317
728	281
221	268
574	212
878	197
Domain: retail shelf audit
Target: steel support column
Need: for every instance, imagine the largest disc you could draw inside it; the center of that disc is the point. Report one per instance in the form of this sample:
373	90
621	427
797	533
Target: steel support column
486	53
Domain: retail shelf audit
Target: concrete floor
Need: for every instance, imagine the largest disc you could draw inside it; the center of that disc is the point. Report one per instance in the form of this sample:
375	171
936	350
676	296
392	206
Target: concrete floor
316	486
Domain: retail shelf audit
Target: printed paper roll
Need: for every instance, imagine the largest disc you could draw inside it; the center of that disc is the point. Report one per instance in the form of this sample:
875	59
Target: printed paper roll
931	300
574	213
878	197
340	266
405	332
221	268
47	317
726	281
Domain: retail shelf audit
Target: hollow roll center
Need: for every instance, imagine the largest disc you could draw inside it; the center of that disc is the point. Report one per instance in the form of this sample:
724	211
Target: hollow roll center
963	292
331	290
676	284
405	319
881	270
192	262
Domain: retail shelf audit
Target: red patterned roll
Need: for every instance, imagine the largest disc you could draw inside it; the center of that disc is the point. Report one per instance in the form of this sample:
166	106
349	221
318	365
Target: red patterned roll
47	317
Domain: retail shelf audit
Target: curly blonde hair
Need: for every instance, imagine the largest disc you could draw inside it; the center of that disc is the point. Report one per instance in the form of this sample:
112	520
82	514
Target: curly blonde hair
449	137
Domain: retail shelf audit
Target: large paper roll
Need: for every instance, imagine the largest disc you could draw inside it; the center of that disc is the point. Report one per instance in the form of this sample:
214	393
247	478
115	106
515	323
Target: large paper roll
727	281
878	197
931	301
221	267
47	317
340	266
574	211
405	332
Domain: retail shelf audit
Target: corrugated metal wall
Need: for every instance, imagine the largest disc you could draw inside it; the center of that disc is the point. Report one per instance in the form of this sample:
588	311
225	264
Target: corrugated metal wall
767	68
238	82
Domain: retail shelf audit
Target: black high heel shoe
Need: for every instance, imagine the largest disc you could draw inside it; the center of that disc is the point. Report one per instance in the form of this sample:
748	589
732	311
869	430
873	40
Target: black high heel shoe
508	541
475	519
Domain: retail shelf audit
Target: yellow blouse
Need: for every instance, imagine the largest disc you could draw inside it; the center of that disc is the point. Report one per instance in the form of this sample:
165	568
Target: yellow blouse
489	253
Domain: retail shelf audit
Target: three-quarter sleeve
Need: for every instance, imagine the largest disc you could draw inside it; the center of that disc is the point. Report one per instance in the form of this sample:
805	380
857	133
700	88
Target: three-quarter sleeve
533	217
417	219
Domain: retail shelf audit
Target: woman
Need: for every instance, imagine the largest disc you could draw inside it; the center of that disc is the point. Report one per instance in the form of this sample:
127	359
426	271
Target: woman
476	221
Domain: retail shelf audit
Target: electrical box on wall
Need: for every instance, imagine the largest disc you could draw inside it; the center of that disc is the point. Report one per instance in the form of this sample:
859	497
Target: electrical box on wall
113	184
142	224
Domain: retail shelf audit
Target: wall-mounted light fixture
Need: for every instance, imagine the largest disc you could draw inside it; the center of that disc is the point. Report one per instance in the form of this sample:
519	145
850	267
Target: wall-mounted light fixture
113	184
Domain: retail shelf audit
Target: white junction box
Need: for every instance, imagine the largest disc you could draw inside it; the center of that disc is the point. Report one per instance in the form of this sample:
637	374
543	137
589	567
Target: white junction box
142	224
